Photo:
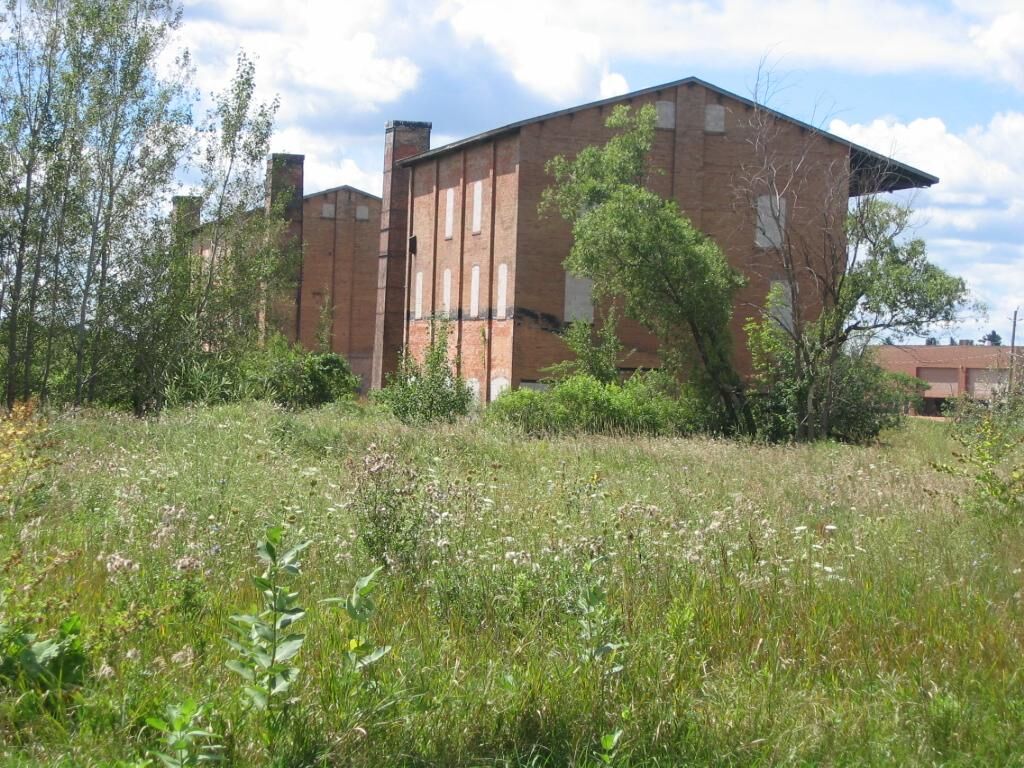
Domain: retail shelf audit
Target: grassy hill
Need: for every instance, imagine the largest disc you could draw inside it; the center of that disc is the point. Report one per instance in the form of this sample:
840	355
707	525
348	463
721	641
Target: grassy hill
719	603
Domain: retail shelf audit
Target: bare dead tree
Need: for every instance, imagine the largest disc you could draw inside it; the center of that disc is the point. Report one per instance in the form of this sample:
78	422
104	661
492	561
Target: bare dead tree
826	244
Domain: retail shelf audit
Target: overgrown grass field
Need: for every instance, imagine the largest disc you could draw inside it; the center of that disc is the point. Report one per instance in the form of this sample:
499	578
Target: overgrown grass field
716	602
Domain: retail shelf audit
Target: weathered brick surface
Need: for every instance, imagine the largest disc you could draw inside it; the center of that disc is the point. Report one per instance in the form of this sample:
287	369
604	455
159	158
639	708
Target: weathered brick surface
481	342
339	269
401	140
704	172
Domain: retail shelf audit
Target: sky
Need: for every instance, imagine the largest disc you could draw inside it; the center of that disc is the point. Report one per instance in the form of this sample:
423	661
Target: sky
938	85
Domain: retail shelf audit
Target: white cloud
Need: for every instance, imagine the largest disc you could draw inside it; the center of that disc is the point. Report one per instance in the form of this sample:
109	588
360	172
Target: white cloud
332	161
613	84
1001	42
313	52
559	50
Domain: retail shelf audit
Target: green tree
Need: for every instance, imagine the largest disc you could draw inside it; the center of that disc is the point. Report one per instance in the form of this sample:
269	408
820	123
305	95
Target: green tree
634	245
992	339
596	351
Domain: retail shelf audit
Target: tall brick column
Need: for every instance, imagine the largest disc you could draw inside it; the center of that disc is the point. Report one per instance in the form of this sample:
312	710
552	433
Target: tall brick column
402	139
284	189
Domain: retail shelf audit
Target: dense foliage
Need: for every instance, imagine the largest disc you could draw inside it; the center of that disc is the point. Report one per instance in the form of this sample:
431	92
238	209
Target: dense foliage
431	391
650	403
640	248
865	398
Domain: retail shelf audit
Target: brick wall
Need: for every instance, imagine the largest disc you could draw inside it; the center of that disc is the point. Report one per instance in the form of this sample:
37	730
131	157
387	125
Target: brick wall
340	261
481	340
702	151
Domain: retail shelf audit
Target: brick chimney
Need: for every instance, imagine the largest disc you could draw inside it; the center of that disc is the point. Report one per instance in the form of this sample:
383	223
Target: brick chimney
402	139
284	194
185	213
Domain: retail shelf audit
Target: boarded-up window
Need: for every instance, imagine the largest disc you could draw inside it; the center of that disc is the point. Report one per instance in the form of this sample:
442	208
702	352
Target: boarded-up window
579	299
714	118
449	213
474	292
498	385
942	382
983	383
478	205
771	221
327	211
666	114
418	314
781	308
362	213
502	291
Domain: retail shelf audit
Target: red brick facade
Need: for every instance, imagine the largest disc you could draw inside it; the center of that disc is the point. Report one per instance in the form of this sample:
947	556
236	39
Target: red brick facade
493	266
460	236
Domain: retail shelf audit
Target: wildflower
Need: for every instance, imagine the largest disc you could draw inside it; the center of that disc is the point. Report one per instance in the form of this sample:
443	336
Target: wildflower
116	563
187	564
105	672
133	654
184	657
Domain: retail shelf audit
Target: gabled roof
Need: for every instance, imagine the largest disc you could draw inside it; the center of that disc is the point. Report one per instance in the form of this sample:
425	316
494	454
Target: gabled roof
872	172
342	188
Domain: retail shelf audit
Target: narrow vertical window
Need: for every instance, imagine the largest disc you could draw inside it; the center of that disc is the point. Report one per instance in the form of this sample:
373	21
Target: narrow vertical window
478	205
781	309
502	291
446	292
771	221
449	213
418	314
579	299
474	292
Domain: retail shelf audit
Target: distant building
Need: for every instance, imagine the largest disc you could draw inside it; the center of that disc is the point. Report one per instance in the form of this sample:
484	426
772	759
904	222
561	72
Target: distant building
336	284
950	371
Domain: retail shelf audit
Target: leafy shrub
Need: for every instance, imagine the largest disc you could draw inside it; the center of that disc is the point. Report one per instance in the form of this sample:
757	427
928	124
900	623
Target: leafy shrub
991	436
279	371
596	353
865	399
431	392
265	643
644	404
56	664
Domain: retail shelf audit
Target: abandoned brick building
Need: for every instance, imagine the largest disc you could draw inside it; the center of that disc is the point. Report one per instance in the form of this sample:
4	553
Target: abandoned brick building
460	236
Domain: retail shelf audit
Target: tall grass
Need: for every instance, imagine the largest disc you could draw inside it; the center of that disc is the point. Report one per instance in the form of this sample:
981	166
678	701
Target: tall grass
822	604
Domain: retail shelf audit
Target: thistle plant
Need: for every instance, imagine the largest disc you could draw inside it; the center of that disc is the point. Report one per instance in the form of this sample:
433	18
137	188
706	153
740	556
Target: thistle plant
265	644
186	742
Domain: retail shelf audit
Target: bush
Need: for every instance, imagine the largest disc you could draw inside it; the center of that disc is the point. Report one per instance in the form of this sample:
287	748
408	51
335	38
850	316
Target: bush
865	399
991	436
649	403
431	392
278	371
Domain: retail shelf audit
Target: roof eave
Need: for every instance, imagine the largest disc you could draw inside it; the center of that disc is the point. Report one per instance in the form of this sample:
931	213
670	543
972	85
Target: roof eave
895	175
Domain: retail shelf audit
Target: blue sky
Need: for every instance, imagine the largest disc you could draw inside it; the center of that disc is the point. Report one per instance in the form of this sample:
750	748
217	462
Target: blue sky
939	85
